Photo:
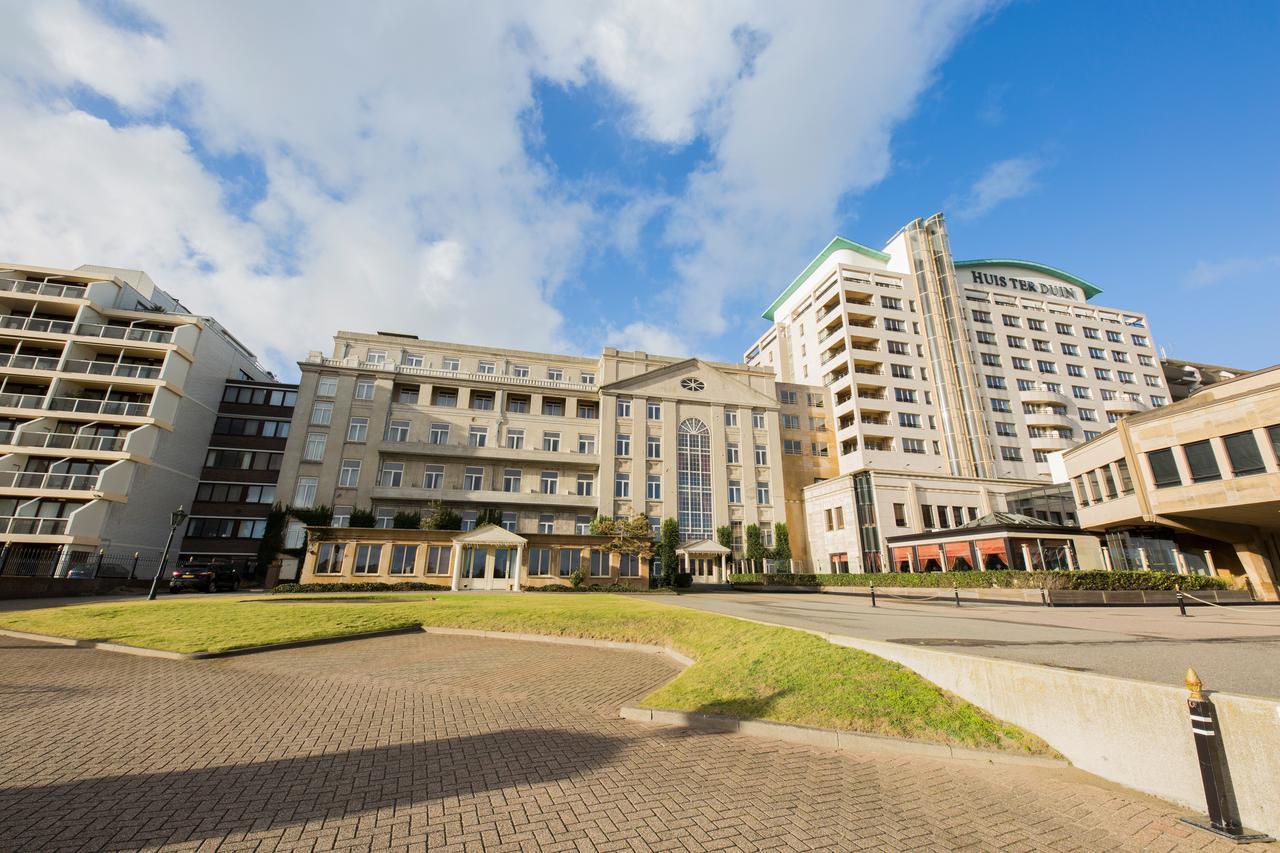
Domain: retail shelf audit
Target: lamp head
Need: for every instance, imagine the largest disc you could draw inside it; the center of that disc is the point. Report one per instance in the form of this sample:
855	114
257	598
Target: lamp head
178	516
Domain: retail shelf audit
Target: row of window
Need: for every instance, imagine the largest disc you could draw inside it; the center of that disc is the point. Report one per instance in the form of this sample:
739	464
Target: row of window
792	398
226	528
1242	455
1037	325
402	559
259	396
251	426
795	447
243	460
235	493
1097	353
1003	405
486	366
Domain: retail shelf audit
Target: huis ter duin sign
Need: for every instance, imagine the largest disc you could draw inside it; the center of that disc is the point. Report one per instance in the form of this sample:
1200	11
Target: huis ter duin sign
1061	291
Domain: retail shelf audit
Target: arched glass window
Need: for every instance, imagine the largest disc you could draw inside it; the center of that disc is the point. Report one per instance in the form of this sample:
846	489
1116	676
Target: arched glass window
693	487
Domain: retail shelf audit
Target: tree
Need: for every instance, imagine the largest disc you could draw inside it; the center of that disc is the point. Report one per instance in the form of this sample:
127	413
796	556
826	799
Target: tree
627	535
272	536
781	541
441	517
362	518
407	521
489	515
668	542
755	547
313	516
724	535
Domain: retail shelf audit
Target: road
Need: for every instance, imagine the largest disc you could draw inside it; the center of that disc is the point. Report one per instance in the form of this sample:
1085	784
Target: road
1236	650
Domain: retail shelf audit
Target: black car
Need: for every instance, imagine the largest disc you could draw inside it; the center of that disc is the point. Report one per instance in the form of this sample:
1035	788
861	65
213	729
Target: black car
204	578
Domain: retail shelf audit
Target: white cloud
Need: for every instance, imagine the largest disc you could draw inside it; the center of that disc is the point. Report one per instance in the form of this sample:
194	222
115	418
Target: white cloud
1207	273
1001	182
647	337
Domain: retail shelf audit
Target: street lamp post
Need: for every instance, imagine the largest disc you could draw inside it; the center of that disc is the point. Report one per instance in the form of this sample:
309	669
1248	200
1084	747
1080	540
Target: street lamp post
176	518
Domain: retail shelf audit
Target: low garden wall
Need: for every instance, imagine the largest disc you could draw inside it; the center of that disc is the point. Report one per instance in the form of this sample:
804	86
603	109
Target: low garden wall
49	587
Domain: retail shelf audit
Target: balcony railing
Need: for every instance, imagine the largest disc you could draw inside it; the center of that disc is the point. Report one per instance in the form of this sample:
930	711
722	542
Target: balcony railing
40	288
25	525
110	368
35	324
98	407
28	362
23	401
124	333
66	440
48	480
831	355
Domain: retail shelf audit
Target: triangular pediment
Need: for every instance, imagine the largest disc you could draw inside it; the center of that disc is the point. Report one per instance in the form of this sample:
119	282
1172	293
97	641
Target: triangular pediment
664	383
703	546
490	534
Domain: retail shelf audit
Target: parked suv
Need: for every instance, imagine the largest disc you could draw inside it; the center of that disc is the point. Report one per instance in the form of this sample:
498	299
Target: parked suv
210	578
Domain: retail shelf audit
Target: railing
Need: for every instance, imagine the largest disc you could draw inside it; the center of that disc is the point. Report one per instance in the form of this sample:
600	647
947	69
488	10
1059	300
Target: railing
40	288
125	333
98	407
68	441
867	419
23	401
110	368
870	395
869	371
28	362
831	355
826	333
35	324
862	324
865	347
832	380
826	311
22	525
48	480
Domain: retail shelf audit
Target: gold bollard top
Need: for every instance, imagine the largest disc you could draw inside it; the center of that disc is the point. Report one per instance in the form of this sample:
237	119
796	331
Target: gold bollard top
1194	685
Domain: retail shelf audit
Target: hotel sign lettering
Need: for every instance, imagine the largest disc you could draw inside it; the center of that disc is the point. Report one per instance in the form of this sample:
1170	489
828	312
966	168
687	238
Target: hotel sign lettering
1061	291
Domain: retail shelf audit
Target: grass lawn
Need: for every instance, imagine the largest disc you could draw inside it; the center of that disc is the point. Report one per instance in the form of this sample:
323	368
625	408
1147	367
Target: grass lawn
743	669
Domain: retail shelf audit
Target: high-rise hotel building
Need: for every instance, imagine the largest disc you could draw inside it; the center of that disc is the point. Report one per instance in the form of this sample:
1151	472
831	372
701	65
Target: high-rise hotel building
390	423
951	382
109	390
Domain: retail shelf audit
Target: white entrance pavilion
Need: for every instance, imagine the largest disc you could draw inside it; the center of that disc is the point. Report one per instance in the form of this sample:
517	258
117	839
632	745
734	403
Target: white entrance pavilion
707	560
488	557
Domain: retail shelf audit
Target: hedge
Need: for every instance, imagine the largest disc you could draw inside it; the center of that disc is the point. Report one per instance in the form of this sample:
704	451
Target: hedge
1003	579
402	586
595	587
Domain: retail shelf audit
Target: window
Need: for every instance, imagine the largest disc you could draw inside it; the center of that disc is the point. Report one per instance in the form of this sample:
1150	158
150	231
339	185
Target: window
364	388
622	486
1146	360
349	474
1122	357
653	411
587	444
762	494
341	516
629	565
587	378
411	359
486	367
439	434
304	494
898	347
313	451
473	478
622	445
469	518
1243	452
515	439
1125	377
1010	454
987	338
1091	333
1201	462
586	485
1070	349
511	480
732	455
555	374
446	397
517	404
358	429
982	316
1087	414
553	407
1064	328
550	482
1152	381
329	558
893	325
653	487
520	371
904	395
1098	353
730	417
624	408
653	447
995	382
384	517
450	362
438	559
1011	321
588	411
793	447
551	441
900	371
403	558
693	479
599	563
482	401
762	455
327	386
510	521
1006	429
735	491
1157	400
791	422
999	405
546	523
1021	363
1041	346
1075	370
757	419
321	413
478	436
1047	366
1115	337
906	419
893	303
391	475
1164	469
539	562
990	359
911	445
787	397
433	477
570	561
1080	392
398	431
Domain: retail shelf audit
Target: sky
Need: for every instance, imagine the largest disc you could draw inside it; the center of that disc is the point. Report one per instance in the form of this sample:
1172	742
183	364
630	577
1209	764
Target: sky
565	175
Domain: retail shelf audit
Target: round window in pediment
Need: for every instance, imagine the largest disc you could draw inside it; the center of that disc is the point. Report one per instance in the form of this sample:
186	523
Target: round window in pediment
691	384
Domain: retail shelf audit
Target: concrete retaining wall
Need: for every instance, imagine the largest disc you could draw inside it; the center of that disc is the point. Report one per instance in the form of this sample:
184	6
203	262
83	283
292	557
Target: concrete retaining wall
1058	597
45	587
1134	733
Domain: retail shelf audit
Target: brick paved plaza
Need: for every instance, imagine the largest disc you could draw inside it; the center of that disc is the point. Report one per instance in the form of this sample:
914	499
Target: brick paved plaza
428	742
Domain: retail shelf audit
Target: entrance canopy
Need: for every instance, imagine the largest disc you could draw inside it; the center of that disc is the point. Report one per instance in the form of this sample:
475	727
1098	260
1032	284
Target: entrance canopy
703	548
490	534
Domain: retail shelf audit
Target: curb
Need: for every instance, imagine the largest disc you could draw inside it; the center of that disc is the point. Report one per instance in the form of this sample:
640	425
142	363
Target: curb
140	651
844	741
616	645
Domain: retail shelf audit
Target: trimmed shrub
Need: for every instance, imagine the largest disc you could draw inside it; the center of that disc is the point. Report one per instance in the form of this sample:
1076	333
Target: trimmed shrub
1008	579
684	580
401	586
595	587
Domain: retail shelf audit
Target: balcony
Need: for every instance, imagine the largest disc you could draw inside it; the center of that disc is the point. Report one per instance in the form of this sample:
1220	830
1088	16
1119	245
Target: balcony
124	333
40	288
112	369
1041	394
35	324
67	441
862	321
18	525
487	497
467	376
1123	407
506	454
28	362
83	405
833	354
826	333
1048	417
866	392
1052	441
45	481
22	401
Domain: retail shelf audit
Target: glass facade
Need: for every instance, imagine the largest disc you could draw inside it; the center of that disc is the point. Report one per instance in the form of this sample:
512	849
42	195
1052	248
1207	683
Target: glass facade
868	533
693	487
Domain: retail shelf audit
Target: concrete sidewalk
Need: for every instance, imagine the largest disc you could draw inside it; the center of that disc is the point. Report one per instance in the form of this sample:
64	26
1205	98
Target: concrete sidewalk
1234	649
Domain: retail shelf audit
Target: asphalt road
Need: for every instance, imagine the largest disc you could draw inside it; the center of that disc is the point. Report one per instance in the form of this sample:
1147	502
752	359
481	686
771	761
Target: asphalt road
1236	649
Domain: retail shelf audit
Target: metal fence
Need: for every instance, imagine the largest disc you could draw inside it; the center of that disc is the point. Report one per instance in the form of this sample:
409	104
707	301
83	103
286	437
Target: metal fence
65	562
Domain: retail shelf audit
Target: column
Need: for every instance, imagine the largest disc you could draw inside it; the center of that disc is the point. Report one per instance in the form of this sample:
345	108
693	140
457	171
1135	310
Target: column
455	566
1026	558
1179	560
519	567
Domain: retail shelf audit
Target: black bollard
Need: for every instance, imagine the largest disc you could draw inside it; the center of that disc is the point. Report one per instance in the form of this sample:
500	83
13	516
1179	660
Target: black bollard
1182	602
873	595
1223	818
955	588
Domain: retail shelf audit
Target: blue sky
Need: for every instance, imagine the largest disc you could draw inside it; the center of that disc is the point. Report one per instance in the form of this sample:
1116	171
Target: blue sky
638	174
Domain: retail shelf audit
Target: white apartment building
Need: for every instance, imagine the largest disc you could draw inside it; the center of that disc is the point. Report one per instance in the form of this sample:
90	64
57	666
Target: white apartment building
108	393
973	372
390	423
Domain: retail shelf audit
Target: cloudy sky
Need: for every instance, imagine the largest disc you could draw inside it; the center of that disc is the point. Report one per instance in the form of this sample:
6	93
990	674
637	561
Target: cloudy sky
568	175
